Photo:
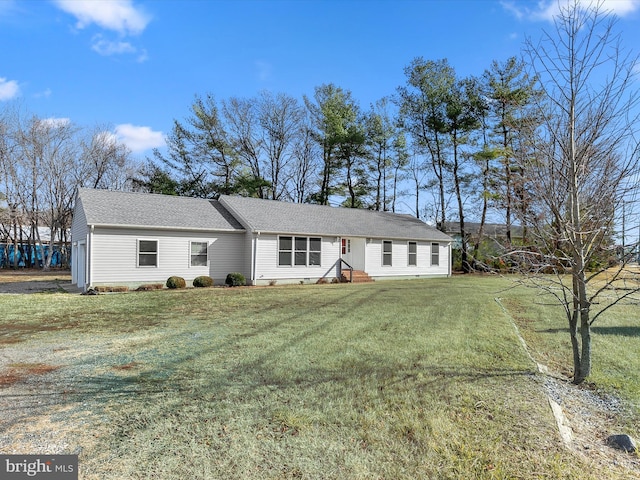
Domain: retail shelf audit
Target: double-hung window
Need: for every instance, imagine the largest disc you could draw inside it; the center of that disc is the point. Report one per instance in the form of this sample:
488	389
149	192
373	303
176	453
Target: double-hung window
435	254
147	253
285	251
198	254
412	260
387	253
299	251
315	251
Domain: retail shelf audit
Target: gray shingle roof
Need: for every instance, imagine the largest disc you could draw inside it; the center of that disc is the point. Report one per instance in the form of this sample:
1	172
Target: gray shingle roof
296	218
114	208
230	213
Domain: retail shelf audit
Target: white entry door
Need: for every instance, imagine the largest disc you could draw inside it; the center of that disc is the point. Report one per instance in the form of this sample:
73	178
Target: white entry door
353	252
347	255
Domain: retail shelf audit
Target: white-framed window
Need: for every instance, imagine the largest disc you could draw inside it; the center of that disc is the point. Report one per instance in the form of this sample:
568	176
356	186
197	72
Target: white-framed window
435	254
299	251
198	253
346	246
285	251
315	251
147	253
412	259
387	253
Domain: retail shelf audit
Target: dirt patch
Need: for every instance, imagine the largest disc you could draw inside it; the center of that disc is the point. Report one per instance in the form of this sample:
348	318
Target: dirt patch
17	372
36	281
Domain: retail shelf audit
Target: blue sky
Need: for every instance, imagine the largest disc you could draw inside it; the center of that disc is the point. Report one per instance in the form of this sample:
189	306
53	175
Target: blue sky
135	66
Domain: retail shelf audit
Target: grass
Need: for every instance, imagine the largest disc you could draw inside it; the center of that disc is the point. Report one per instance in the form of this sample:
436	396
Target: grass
394	380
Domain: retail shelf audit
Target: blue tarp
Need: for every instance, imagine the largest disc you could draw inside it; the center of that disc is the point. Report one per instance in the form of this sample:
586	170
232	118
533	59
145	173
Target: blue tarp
29	256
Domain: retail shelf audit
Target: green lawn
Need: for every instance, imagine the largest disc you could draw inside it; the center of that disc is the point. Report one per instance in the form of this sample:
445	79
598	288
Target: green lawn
391	380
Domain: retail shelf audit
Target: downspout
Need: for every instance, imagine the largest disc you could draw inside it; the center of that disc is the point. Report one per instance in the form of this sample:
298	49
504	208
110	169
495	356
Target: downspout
255	258
89	279
449	262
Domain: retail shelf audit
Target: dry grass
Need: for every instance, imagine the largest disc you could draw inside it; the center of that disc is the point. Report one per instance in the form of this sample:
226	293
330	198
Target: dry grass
402	380
33	275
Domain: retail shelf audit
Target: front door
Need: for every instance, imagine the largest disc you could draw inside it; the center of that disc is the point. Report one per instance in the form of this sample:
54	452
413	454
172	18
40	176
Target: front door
353	252
347	256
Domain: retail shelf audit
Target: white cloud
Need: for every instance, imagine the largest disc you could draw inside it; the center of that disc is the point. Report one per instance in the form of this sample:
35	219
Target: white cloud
547	9
107	47
121	16
44	94
139	139
8	89
54	122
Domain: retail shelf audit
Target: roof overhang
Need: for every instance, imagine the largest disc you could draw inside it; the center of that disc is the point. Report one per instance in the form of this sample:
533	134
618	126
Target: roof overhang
165	227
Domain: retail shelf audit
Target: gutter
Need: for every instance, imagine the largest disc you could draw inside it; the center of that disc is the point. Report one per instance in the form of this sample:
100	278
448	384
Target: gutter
165	227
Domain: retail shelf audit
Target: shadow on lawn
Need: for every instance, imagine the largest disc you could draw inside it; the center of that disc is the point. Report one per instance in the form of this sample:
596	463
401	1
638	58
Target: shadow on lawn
620	331
623	331
173	378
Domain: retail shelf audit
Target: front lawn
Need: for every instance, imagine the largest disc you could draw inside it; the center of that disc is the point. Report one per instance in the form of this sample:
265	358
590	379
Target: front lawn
394	380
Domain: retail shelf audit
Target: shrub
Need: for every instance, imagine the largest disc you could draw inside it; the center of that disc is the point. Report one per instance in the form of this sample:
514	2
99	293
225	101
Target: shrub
149	287
203	281
176	282
111	289
235	280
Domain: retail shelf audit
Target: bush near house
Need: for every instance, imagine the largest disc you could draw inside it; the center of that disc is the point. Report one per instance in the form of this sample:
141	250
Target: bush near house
235	280
203	281
176	282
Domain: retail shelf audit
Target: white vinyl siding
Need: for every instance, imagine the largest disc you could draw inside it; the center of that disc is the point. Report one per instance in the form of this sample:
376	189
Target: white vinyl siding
268	250
79	234
115	252
400	260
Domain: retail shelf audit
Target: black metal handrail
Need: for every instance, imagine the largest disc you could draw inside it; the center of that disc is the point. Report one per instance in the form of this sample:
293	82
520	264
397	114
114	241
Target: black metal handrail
350	269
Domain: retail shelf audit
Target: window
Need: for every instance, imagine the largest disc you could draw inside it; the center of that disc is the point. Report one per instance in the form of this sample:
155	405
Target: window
387	249
299	251
435	254
199	254
285	250
315	250
147	253
346	246
413	254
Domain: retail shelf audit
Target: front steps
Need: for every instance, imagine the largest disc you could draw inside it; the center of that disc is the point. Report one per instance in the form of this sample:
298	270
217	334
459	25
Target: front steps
359	276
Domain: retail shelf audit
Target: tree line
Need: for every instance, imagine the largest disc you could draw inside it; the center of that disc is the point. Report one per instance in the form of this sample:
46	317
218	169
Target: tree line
442	140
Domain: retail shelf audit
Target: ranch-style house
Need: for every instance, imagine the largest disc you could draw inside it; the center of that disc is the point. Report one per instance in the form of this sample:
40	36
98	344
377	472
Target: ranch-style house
131	239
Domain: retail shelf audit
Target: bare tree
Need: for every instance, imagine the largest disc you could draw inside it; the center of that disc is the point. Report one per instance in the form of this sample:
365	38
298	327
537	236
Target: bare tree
281	119
304	167
584	164
42	163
